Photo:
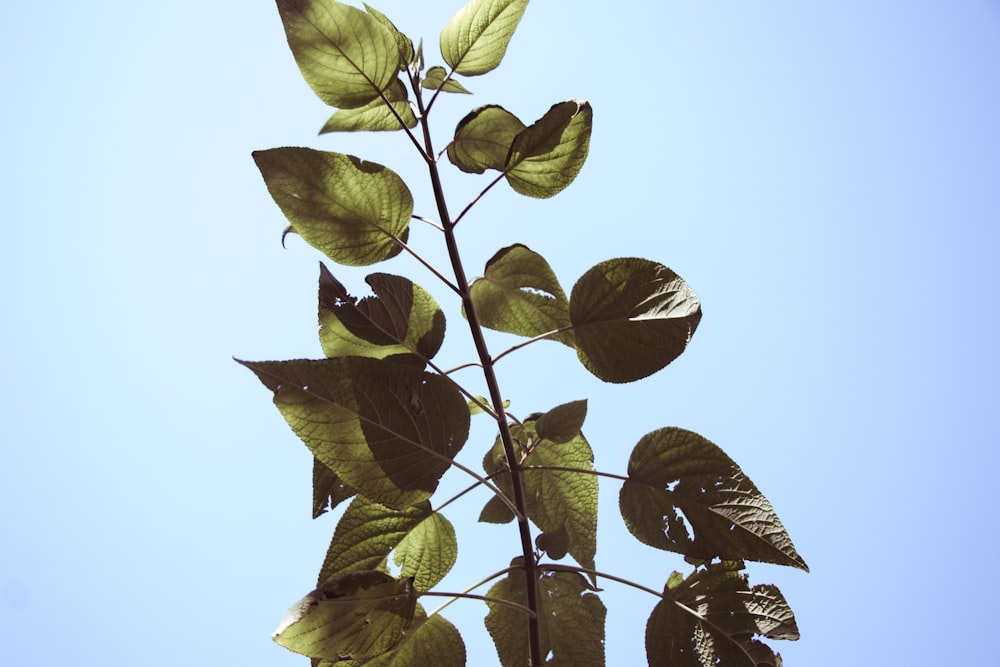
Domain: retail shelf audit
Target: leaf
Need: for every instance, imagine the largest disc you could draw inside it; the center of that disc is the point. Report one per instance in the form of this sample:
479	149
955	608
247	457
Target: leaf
376	116
401	318
483	138
496	511
357	616
428	641
435	79
403	43
521	295
711	618
428	552
328	490
345	55
546	157
555	544
476	406
475	40
631	317
571	621
673	470
352	211
563	423
388	430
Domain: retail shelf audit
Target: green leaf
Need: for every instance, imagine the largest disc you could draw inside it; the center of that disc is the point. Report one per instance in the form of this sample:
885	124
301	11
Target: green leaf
571	620
496	511
428	552
376	116
555	544
352	211
428	641
631	317
476	406
401	318
403	43
546	157
483	138
328	490
711	619
476	38
520	294
357	616
672	470
390	431
563	423
345	55
436	78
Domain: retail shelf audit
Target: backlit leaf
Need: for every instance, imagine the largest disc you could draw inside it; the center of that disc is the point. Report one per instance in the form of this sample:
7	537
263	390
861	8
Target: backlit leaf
435	78
404	43
428	552
345	55
679	479
545	157
475	40
496	511
354	617
328	490
483	138
631	317
563	423
352	211
431	641
375	116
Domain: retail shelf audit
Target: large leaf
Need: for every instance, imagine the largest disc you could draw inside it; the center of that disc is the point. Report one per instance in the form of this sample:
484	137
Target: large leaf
345	55
428	552
710	620
631	317
354	617
401	318
376	116
350	210
546	157
520	294
328	489
673	471
483	138
571	620
475	40
430	640
387	430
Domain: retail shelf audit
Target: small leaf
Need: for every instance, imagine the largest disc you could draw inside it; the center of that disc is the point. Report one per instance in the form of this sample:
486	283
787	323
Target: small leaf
496	511
672	470
631	317
711	618
546	157
563	423
345	55
555	544
328	490
476	406
571	619
428	552
352	211
435	78
520	294
376	116
483	138
360	615
401	318
404	43
475	40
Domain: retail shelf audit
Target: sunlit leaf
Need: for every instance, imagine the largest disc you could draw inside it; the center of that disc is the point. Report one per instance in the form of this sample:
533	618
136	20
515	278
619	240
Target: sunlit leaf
345	55
352	211
631	317
711	618
404	43
563	423
431	641
476	38
357	616
400	318
375	116
686	495
483	138
571	620
496	511
328	490
388	430
435	78
546	156
520	294
428	552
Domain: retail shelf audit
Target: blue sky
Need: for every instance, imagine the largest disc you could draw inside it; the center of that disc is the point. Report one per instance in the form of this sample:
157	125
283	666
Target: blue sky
825	176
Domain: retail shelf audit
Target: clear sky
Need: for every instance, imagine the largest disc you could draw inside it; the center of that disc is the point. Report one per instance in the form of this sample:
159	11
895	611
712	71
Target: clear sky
826	175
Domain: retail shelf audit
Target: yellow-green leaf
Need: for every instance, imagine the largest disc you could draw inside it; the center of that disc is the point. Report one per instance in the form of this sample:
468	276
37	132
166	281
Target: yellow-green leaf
436	77
392	113
475	40
483	138
547	156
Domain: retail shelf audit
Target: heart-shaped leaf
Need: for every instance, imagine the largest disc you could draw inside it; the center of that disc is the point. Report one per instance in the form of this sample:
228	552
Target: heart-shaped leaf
545	157
475	40
483	138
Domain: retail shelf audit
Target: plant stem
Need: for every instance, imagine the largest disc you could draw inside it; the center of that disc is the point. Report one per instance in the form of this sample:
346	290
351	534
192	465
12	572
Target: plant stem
510	451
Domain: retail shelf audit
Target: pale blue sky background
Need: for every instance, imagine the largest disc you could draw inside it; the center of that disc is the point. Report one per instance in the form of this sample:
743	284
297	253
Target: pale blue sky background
825	174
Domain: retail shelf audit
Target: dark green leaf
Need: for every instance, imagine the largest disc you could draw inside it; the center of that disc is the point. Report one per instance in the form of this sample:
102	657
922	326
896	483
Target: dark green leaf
546	157
571	619
350	210
554	544
562	423
345	55
428	552
376	116
435	78
672	471
631	317
477	406
401	318
476	38
711	618
483	138
521	295
388	430
354	617
404	43
328	490
496	511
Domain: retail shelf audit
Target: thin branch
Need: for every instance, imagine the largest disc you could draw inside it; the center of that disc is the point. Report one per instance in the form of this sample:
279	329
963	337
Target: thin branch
481	582
429	222
584	471
443	278
477	198
547	334
485	598
439	90
556	567
471	364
